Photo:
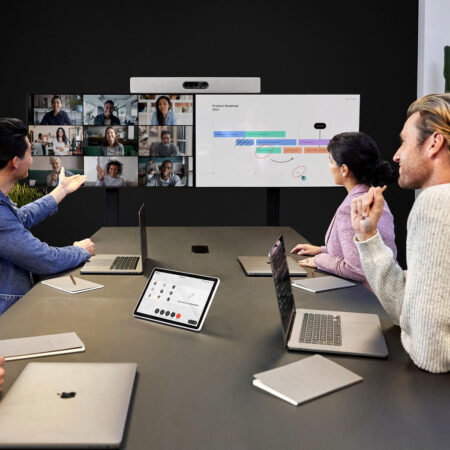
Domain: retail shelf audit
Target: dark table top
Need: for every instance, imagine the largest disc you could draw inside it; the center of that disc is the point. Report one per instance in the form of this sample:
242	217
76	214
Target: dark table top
194	390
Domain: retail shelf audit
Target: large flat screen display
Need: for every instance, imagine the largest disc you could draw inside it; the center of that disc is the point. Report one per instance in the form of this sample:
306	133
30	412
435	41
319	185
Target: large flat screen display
178	140
117	140
269	140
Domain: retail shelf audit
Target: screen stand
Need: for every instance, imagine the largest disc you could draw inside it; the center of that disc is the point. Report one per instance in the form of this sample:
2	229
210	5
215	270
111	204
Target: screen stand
112	207
273	207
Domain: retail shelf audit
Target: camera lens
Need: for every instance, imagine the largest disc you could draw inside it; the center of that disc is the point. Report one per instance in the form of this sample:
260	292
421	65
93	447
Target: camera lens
195	85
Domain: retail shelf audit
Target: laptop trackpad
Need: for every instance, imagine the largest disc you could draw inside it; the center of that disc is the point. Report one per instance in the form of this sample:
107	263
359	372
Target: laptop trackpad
104	261
364	338
361	332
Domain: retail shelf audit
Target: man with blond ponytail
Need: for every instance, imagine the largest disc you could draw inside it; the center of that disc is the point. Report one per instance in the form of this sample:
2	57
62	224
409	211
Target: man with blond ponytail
417	299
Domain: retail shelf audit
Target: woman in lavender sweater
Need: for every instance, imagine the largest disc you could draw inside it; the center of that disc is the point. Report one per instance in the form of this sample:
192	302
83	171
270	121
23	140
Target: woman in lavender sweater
355	163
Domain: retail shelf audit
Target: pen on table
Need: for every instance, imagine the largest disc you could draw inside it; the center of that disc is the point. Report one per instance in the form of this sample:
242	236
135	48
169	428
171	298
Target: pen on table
73	280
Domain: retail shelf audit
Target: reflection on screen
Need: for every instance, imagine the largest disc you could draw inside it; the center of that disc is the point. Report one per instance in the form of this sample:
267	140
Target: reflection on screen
176	298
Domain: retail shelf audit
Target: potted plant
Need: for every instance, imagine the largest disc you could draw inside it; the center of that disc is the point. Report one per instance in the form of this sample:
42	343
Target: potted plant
22	194
76	103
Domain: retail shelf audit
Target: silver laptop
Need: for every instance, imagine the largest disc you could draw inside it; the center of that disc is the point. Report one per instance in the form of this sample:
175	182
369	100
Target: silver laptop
121	264
259	266
322	331
67	405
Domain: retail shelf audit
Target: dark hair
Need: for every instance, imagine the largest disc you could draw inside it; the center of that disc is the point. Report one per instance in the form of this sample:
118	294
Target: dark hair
55	97
167	161
114	162
64	137
361	155
159	114
108	101
12	140
105	141
163	132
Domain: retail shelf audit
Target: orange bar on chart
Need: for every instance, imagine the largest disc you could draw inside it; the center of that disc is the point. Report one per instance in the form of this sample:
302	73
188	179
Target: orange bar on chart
316	150
292	149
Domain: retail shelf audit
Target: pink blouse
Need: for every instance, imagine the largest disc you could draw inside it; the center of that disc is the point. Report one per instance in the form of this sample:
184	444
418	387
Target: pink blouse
339	254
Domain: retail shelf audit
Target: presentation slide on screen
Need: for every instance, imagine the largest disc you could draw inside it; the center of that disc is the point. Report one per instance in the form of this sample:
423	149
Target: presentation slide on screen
269	140
178	298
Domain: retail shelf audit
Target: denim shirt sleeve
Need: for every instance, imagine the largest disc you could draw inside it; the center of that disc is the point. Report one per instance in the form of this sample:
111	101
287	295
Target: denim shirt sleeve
21	248
35	212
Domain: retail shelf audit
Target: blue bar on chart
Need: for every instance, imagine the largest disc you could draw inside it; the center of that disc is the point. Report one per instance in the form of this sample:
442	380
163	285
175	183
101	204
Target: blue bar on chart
235	134
244	142
276	141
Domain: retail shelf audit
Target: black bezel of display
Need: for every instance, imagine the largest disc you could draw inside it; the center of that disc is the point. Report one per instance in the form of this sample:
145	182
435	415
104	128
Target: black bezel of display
160	319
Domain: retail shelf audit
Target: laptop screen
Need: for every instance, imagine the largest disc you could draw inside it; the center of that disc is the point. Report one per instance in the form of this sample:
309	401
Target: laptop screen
283	290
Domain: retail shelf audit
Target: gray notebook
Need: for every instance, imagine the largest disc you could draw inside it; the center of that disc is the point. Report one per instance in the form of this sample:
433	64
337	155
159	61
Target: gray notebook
321	284
305	380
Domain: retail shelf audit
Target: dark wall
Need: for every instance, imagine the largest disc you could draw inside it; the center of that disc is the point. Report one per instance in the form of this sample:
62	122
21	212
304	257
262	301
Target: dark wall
328	47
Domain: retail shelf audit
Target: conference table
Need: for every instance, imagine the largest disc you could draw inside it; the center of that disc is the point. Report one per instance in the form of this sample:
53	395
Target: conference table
194	390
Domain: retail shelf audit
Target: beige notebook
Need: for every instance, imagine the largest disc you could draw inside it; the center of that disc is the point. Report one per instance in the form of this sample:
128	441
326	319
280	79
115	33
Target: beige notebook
321	284
305	380
35	346
72	287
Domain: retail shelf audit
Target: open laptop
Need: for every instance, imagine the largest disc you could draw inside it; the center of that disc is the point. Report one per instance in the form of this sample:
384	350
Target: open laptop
259	266
322	331
121	264
67	405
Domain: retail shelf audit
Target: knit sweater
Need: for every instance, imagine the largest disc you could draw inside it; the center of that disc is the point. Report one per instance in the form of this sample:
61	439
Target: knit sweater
417	299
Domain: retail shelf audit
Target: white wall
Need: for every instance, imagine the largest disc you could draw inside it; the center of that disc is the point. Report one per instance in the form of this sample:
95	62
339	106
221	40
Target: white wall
434	34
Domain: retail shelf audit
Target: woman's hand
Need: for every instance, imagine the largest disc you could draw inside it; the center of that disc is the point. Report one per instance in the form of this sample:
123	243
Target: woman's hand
308	262
306	249
100	173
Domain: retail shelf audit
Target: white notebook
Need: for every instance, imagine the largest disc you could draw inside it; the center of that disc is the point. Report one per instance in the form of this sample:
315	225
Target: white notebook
321	284
67	285
305	380
35	346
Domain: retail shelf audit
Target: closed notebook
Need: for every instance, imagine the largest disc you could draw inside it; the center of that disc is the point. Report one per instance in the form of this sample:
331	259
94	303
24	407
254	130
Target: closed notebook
35	346
305	380
67	285
321	284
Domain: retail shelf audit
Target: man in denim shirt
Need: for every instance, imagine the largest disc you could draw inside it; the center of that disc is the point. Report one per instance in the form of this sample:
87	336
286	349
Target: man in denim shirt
20	252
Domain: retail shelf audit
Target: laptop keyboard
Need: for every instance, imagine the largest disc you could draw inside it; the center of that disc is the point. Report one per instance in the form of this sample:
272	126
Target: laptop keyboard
324	329
125	263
